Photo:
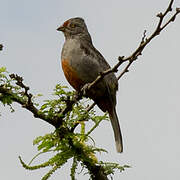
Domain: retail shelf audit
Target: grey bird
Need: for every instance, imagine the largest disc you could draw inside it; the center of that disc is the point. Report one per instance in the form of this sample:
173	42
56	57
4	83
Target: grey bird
82	63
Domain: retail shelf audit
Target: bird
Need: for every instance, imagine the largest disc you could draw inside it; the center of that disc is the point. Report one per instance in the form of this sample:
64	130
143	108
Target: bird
82	63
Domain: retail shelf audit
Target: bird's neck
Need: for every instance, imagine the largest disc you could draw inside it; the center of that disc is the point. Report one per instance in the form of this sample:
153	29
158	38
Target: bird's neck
81	37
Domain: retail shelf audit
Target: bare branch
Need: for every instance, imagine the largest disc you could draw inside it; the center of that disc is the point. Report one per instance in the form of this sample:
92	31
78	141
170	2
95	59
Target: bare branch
90	107
125	70
146	41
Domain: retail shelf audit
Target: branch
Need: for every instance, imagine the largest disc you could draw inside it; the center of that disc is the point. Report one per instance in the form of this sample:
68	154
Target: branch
29	106
104	73
96	171
26	103
146	41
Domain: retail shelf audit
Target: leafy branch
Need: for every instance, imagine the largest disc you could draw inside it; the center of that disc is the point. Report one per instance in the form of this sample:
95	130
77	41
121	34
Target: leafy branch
63	142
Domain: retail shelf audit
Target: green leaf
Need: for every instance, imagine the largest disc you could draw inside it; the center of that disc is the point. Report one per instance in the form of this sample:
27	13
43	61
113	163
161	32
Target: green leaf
2	69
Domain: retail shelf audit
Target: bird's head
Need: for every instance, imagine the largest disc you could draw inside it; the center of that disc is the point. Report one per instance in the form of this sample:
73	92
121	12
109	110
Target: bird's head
73	27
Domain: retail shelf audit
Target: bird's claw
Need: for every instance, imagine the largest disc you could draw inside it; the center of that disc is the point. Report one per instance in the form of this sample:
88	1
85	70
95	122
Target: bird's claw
85	89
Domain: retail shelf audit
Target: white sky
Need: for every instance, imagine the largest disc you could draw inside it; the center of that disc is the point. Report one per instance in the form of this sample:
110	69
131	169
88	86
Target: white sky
148	99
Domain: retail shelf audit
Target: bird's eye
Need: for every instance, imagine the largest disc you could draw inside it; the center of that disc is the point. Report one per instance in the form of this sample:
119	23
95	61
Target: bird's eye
72	25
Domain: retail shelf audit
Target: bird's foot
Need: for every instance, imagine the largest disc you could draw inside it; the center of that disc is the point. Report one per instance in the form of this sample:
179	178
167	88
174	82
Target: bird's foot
85	89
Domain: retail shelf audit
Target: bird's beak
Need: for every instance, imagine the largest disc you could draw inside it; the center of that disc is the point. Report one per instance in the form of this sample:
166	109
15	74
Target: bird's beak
61	28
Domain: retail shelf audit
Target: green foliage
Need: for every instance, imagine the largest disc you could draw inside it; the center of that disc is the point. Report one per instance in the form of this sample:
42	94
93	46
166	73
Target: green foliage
111	167
5	82
54	106
70	145
10	86
66	142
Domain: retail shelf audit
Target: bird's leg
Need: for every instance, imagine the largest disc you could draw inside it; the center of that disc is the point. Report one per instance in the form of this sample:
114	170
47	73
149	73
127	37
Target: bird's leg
85	89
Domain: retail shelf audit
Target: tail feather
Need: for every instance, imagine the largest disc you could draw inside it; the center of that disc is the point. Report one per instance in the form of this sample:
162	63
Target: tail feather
117	130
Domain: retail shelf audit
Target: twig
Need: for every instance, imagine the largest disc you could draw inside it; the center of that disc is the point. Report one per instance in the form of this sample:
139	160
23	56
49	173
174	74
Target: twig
125	70
90	107
146	41
19	82
104	73
144	36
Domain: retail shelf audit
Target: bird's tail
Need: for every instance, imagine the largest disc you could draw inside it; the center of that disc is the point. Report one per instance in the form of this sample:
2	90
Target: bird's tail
117	130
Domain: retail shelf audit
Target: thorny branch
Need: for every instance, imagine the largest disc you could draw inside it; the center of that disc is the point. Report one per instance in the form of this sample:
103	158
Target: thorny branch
56	121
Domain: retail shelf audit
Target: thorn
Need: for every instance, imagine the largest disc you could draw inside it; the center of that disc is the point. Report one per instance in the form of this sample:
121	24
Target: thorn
116	70
160	15
178	10
120	58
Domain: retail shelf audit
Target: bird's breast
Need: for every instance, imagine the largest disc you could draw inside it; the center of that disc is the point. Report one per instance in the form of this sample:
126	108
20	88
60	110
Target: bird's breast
71	75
